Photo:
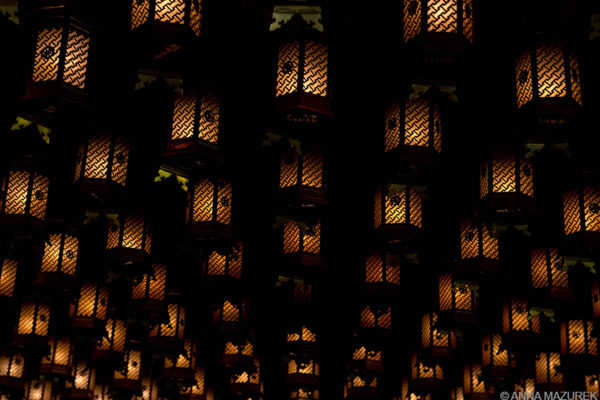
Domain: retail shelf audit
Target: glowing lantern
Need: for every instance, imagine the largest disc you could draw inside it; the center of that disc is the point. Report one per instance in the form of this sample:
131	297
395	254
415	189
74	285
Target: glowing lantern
407	394
89	310
548	373
24	194
84	379
526	385
581	211
398	209
238	353
149	293
457	393
413	126
547	271
439	343
39	389
149	389
301	176
112	345
195	123
368	359
182	367
302	242
58	362
34	318
493	356
592	385
196	391
506	181
102	161
516	321
102	392
247	381
361	386
457	297
129	237
382	271
425	376
577	339
474	386
209	207
302	372
545	72
8	276
171	331
303	339
60	257
225	264
11	372
229	316
304	394
478	246
167	13
438	18
374	318
127	380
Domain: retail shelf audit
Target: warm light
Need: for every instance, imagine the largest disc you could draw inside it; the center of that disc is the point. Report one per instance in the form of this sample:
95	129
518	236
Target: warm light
304	394
195	118
132	368
415	123
576	337
115	336
516	318
84	377
374	318
152	286
92	302
422	371
186	360
301	239
309	367
39	390
210	201
129	231
8	275
301	170
248	376
492	352
525	386
60	254
24	193
547	269
398	204
12	366
34	319
226	263
432	337
197	388
440	17
472	382
60	353
103	158
506	173
455	295
176	12
230	312
175	326
477	240
302	65
149	389
304	335
382	269
547	369
581	211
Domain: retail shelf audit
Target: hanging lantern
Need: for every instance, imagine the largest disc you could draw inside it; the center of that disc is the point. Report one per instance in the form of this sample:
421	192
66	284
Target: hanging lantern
226	264
127	380
373	318
58	362
577	340
361	386
195	126
197	390
581	211
39	389
457	297
34	318
83	383
129	237
407	394
112	344
246	381
438	19
474	386
149	389
506	181
170	333
165	14
478	246
230	315
382	272
304	394
398	210
437	342
368	359
302	242
102	392
548	372
209	207
59	259
303	340
89	310
238	353
425	376
301	177
8	276
592	385
547	72
11	372
517	323
302	372
547	272
494	356
413	127
181	369
149	293
457	393
102	162
525	386
23	194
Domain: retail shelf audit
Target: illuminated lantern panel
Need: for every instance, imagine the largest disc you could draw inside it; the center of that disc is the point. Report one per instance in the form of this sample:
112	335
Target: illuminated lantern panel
492	353
102	159
515	318
581	211
246	380
195	120
304	173
301	239
413	124
132	367
506	173
129	232
548	373
149	389
186	360
102	392
170	12
304	335
174	327
457	393
196	390
84	377
39	390
24	193
437	17
456	295
91	305
61	55
302	371
8	276
152	286
34	318
60	254
115	336
375	318
59	359
576	338
440	342
477	241
230	313
372	360
592	384
304	394
382	269
234	352
547	270
595	294
397	205
11	367
472	382
547	71
209	201
359	386
302	67
226	264
421	371
526	385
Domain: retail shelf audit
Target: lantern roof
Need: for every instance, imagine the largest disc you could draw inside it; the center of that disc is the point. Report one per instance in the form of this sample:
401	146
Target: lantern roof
308	12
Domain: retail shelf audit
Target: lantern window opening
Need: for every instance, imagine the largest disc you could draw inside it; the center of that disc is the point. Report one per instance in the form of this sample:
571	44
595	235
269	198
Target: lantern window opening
24	193
103	158
413	123
174	12
60	254
302	67
196	117
8	276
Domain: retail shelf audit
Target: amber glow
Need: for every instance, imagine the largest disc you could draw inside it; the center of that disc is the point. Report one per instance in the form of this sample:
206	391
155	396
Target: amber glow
422	371
440	16
103	158
373	318
245	349
230	312
432	337
196	118
302	64
547	269
248	377
84	377
308	367
301	170
115	336
210	201
472	382
34	319
168	12
227	264
60	254
298	239
369	355
39	390
184	360
305	335
525	386
24	193
516	318
198	387
547	369
174	327
492	353
382	269
415	123
152	286
477	240
454	295
506	173
132	368
576	337
398	204
130	232
60	352
581	211
12	366
8	275
92	302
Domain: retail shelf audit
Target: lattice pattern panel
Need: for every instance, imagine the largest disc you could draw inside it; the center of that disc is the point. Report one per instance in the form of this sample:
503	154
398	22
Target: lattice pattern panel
524	79
140	10
489	243
224	203
202	201
312	169
288	173
377	207
12	366
472	379
184	112
288	64
393	126
547	368
60	350
498	354
312	239
120	160
396	207
157	283
558	276
176	325
416	208
551	72
76	59
484	179
576	338
315	68
216	264
426	327
445	292
411	19
47	55
468	20
39	196
115	339
416	122
469	240
171	11
591	209
526	177
196	16
34	318
133	232
291	238
442	16
367	318
8	275
96	160
51	257
463	298
235	262
503	174
437	128
392	272
230	312
571	212
575	79
208	126
539	274
17	192
79	162
374	269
